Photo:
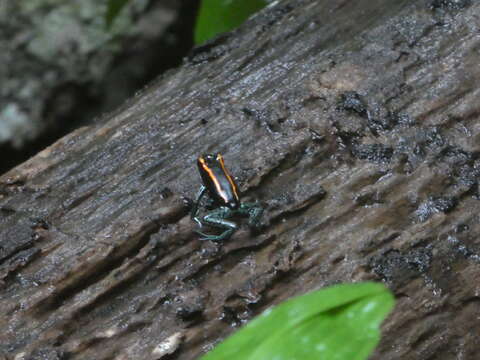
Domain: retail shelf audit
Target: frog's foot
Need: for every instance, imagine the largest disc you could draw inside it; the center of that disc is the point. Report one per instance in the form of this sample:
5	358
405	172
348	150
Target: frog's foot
254	212
224	236
217	218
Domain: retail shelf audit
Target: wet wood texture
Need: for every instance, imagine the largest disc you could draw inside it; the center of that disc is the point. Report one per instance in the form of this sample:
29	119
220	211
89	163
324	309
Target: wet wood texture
356	123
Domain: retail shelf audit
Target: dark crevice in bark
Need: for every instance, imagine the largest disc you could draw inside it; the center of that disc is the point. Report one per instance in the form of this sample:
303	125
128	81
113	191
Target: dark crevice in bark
100	269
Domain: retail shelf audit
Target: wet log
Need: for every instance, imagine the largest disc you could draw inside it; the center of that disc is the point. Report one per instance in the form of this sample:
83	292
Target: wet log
355	123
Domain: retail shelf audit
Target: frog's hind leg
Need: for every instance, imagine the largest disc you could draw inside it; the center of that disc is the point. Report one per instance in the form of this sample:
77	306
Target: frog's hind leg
218	218
254	212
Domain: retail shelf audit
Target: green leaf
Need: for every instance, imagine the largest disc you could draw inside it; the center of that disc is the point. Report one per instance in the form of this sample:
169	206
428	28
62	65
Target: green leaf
113	9
217	16
339	322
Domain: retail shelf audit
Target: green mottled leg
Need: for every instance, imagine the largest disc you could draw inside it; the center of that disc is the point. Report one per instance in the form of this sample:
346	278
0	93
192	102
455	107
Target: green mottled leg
254	212
217	218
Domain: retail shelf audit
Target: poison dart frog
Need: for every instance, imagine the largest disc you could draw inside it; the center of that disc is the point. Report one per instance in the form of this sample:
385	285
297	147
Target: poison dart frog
225	202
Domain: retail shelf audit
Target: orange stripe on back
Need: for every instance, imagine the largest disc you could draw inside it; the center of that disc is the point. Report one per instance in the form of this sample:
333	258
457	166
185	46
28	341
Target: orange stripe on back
210	173
229	178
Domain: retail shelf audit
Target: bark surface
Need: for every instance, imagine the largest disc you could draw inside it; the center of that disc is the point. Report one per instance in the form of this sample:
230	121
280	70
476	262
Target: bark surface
356	123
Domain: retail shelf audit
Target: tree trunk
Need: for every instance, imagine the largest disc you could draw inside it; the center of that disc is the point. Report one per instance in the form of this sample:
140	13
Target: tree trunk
356	123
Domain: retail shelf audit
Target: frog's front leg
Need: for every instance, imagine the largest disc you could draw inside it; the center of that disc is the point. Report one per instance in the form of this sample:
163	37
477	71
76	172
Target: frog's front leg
218	218
254	212
196	205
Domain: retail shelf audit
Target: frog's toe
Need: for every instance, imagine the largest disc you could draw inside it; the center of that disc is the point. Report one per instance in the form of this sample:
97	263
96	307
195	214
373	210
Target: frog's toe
211	238
208	237
201	233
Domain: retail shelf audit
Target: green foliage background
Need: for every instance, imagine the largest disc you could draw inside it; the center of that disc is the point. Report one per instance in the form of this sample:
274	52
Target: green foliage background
113	9
218	16
214	17
340	322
